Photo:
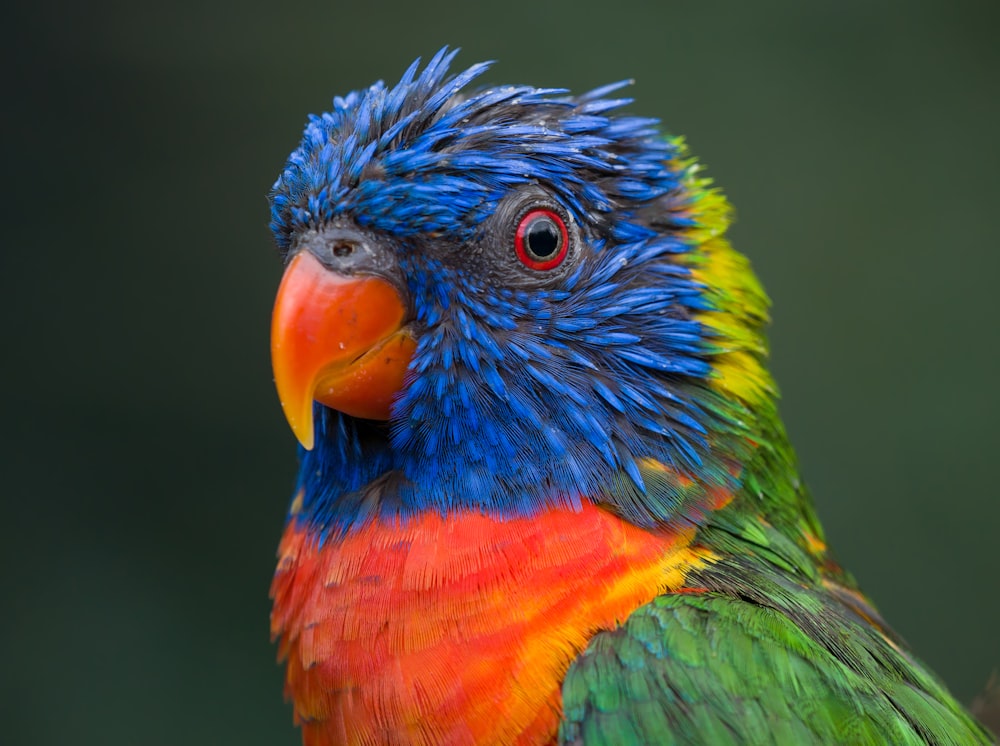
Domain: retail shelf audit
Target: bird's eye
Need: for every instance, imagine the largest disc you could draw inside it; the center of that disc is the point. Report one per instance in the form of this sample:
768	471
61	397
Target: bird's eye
541	240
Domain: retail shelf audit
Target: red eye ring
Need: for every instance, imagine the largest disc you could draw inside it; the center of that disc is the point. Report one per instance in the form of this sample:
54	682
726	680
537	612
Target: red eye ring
541	240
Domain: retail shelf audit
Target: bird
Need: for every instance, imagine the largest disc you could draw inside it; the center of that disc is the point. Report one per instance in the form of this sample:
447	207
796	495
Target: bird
545	494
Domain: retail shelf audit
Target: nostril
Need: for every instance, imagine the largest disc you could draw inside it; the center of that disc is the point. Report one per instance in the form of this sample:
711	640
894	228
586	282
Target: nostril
343	249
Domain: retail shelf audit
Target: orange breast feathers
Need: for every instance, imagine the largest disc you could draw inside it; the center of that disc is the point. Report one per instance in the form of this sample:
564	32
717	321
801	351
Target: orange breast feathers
457	630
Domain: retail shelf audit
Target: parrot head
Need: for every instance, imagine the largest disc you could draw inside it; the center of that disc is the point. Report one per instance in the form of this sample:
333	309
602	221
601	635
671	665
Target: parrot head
498	299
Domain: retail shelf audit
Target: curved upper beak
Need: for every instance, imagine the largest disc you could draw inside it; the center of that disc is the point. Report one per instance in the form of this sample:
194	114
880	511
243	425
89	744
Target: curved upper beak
339	340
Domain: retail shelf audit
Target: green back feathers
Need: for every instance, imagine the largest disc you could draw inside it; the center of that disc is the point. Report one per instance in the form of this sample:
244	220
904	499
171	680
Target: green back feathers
713	669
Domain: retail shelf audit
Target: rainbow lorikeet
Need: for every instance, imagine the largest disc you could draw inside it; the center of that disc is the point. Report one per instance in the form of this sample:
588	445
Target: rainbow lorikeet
545	494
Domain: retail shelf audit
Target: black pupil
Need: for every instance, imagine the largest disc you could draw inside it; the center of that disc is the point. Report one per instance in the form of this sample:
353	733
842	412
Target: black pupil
542	238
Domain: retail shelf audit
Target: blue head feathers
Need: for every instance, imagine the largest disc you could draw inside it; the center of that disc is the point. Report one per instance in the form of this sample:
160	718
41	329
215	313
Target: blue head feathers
527	388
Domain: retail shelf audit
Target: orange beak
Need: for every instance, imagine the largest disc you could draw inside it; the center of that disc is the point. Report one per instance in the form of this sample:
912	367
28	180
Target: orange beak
337	340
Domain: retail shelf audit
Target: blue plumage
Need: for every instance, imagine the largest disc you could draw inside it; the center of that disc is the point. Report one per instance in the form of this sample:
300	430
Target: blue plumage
522	393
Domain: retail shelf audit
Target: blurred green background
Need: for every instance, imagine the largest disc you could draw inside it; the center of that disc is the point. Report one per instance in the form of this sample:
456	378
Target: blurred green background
146	464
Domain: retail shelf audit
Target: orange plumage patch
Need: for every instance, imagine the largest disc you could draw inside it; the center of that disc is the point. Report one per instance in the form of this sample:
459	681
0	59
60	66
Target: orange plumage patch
460	629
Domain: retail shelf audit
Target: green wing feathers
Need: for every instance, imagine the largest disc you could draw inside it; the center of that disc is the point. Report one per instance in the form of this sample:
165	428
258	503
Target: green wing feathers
717	668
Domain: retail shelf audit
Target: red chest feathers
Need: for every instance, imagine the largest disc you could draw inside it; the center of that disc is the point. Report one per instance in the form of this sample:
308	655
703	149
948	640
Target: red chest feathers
460	629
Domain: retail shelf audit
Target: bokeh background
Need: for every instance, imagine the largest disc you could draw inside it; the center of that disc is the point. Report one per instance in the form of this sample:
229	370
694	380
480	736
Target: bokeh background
146	466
